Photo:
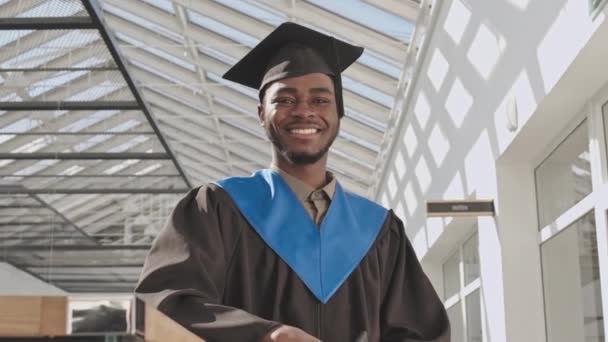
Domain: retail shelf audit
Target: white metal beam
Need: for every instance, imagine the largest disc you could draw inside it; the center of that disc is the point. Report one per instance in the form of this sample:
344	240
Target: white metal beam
198	34
407	9
200	73
340	26
148	80
14	8
358	73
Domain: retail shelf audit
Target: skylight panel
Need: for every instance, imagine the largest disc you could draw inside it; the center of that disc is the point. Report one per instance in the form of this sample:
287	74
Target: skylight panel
256	11
377	63
148	24
59	79
11	97
233	106
364	14
117	168
157	52
19	126
222	29
129	144
368	92
180	100
54	8
34	145
125	126
90	62
232	85
10	36
148	169
52	49
365	119
90	120
358	161
344	134
38	166
6	162
164	5
219	55
97	139
255	133
100	90
72	170
173	80
22	125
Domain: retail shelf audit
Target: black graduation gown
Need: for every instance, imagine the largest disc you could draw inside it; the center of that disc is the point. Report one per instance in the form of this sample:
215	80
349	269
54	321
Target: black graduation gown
211	272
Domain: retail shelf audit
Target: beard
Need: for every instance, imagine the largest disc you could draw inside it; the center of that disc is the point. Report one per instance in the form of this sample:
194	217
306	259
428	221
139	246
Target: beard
299	158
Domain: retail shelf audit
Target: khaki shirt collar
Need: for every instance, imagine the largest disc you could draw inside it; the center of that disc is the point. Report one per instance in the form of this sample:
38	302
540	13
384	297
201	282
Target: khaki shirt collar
303	190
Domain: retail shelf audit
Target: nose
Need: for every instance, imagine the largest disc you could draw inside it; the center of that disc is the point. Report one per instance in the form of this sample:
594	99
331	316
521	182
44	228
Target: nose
303	109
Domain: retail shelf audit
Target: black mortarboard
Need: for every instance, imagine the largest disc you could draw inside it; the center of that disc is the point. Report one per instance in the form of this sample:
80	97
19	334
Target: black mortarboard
293	50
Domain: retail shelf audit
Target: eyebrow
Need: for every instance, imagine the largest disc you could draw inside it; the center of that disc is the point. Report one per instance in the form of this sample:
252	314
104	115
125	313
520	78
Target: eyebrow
320	90
291	90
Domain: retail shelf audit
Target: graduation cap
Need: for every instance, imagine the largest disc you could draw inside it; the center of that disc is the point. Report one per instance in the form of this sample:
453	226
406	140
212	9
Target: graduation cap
293	50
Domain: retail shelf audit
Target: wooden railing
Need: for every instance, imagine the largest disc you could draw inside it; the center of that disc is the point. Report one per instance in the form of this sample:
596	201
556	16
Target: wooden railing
53	317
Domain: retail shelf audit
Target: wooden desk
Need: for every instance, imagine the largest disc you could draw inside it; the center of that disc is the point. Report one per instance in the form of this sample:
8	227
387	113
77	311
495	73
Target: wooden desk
44	317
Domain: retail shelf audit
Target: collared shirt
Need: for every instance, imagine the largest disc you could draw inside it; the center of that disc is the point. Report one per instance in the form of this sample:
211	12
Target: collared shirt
315	201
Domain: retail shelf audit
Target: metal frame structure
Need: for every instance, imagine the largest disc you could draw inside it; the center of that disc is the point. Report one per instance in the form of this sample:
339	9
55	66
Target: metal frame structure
110	110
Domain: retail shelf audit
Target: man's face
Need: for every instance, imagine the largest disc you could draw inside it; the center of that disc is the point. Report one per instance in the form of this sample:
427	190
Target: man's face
301	117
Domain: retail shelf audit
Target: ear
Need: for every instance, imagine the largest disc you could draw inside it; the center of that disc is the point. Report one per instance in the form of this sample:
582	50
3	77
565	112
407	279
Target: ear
261	114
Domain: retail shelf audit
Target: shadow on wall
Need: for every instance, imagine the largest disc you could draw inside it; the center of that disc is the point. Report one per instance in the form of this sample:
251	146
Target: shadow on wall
481	55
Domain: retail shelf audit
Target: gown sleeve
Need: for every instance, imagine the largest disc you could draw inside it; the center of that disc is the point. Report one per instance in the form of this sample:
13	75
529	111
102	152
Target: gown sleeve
184	272
411	310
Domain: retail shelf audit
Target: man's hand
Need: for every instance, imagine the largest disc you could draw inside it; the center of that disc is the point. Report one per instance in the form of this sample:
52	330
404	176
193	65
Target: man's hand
285	333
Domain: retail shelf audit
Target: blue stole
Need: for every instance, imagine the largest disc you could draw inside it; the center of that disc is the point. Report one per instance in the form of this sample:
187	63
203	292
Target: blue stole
321	257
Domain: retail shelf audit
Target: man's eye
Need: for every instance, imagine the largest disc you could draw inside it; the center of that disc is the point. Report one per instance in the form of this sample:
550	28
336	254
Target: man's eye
320	101
284	100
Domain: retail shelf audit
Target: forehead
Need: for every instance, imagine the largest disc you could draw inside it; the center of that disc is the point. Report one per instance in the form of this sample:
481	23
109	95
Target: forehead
304	82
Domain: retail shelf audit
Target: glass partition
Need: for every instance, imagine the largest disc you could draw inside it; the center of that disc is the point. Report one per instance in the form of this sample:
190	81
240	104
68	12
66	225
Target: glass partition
571	278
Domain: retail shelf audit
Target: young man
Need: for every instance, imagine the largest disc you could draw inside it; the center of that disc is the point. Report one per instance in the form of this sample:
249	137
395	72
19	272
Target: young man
287	254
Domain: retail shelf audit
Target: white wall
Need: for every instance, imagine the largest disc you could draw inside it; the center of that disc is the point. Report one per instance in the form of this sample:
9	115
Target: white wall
16	282
454	142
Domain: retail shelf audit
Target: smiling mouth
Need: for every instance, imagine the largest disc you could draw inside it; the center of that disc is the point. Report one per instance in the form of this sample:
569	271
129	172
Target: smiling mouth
303	131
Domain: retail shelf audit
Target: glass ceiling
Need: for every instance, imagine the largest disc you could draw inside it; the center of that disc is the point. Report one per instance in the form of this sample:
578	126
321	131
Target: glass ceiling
110	110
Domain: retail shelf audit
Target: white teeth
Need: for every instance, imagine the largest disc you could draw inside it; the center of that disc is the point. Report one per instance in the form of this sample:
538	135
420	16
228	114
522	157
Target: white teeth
303	131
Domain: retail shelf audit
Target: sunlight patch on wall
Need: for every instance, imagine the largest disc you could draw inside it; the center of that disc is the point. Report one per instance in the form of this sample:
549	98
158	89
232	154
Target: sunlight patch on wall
438	144
563	41
400	211
384	201
455	189
438	69
419	243
410	140
485	51
411	201
400	165
423	175
434	229
457	20
422	110
520	4
480	171
458	103
392	186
